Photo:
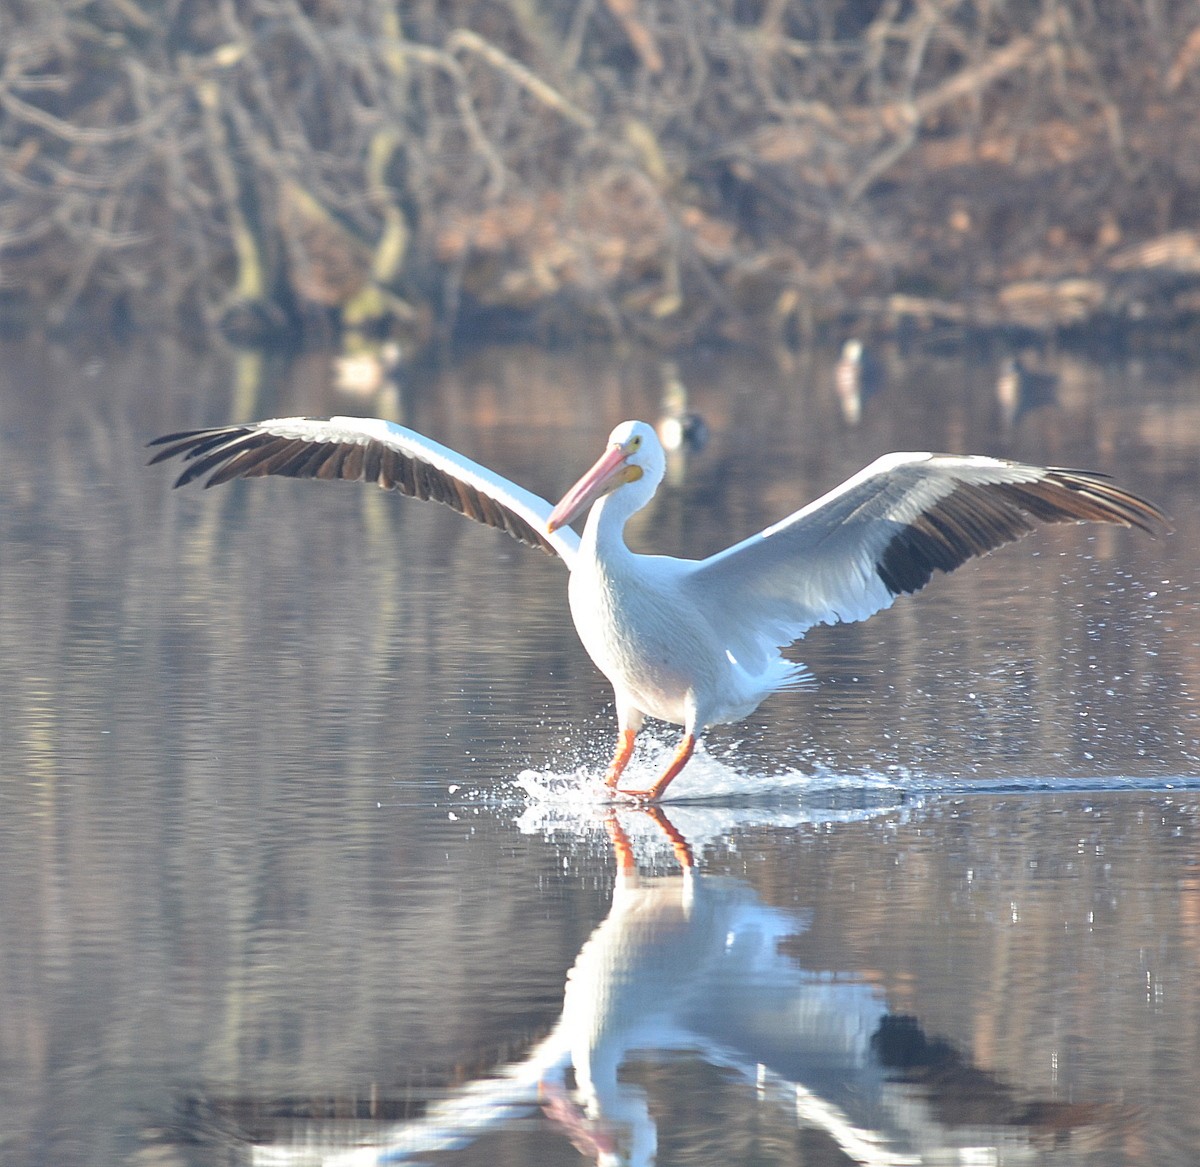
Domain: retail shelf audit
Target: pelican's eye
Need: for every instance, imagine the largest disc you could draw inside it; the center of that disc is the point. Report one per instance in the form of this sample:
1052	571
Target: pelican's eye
634	444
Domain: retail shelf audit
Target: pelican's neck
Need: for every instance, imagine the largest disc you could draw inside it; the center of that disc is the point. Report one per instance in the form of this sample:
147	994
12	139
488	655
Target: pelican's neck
604	531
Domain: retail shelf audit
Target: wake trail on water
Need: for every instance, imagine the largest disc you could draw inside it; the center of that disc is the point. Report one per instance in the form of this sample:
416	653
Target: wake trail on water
713	796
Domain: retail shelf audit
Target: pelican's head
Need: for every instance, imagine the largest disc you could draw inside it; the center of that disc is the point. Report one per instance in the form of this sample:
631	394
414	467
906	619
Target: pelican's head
633	454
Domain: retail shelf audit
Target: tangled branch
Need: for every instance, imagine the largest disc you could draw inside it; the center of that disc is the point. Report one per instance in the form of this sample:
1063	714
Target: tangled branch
663	169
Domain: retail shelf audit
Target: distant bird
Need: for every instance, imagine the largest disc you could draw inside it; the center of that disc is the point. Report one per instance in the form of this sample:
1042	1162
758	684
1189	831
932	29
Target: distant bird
679	427
365	372
1020	389
857	377
693	642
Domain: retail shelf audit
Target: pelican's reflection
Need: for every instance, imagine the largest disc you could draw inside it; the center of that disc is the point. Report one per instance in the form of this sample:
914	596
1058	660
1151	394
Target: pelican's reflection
693	963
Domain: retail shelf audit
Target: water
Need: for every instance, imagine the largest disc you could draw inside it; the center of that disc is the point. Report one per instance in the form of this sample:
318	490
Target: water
302	838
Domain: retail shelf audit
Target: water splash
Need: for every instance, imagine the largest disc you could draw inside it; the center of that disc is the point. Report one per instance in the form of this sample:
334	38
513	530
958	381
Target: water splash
710	800
713	798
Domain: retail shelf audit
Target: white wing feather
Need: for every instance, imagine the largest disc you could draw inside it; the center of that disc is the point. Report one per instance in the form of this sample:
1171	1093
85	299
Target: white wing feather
881	533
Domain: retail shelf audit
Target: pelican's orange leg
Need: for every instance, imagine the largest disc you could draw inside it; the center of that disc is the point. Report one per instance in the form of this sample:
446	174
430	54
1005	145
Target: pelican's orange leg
616	767
682	754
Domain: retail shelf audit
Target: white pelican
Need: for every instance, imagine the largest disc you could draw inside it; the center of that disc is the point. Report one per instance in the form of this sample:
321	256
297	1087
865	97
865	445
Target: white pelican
693	642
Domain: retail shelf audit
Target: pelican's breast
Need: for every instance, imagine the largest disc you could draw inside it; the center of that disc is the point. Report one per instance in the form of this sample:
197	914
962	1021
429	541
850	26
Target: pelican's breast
643	634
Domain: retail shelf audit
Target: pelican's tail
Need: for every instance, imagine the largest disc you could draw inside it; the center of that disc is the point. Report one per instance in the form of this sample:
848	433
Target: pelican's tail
790	674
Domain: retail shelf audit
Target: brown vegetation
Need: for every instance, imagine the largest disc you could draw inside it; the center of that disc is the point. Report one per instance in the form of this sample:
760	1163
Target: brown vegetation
656	168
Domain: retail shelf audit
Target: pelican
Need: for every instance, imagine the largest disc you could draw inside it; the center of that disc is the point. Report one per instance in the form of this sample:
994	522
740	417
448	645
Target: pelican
692	642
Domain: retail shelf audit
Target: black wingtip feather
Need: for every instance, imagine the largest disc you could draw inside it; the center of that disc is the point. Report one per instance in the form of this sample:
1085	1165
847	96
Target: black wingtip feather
250	451
974	519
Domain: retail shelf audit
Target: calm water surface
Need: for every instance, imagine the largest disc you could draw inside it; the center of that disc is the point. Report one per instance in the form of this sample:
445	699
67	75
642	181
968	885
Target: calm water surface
302	849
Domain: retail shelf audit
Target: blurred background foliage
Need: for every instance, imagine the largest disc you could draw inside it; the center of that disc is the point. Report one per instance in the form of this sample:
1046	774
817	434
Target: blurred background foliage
658	170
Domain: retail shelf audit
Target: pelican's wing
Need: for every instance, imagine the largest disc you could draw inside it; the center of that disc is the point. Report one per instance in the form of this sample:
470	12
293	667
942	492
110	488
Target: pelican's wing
885	531
364	449
450	1123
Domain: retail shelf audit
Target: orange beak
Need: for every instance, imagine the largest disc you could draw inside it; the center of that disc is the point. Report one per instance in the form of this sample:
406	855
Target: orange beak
607	474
